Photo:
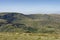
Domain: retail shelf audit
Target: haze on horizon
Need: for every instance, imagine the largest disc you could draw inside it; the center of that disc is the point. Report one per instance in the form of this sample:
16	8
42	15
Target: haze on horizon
30	6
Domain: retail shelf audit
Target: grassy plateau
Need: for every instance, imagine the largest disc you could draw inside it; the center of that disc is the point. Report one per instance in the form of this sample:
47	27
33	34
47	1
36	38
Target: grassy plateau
29	36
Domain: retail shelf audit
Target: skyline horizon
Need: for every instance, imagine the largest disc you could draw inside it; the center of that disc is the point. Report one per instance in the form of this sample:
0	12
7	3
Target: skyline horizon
30	6
32	13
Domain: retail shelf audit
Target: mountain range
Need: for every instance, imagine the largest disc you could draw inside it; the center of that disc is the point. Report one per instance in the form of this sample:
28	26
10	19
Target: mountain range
33	23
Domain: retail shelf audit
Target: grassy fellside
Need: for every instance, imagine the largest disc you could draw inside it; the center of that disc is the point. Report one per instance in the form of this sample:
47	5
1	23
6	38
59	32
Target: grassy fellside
29	36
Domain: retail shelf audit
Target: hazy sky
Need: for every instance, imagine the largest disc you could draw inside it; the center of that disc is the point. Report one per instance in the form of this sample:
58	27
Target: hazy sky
30	6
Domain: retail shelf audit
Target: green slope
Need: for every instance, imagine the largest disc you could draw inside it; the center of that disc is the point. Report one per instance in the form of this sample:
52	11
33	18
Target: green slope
35	23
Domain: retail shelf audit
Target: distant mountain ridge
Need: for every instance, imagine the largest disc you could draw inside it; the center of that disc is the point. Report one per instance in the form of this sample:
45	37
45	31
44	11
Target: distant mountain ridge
35	23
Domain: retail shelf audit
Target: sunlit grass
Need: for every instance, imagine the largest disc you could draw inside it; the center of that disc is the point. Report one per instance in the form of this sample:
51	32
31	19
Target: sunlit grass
29	36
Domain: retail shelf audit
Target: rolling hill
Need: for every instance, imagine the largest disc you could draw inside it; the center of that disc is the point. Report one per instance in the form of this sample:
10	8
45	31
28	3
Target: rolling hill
33	23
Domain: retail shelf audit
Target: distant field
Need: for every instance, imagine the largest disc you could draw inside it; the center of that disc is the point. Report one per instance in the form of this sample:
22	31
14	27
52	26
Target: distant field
29	36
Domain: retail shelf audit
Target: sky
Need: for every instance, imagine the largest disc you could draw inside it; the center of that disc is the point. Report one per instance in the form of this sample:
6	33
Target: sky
30	6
